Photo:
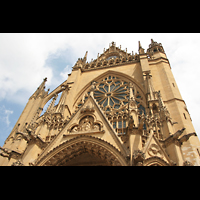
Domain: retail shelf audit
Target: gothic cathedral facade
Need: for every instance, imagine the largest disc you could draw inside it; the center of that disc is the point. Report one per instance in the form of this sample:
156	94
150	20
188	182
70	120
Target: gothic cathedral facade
120	109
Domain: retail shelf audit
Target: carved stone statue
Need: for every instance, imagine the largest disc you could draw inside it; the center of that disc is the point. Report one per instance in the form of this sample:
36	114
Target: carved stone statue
86	125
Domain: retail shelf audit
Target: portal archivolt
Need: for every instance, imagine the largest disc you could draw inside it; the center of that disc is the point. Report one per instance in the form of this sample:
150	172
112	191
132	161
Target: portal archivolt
84	150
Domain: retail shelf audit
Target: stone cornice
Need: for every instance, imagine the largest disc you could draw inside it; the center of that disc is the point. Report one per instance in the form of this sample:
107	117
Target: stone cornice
112	65
157	60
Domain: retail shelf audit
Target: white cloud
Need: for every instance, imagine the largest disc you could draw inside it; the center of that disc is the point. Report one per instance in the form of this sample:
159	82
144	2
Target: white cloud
4	115
65	72
8	112
23	60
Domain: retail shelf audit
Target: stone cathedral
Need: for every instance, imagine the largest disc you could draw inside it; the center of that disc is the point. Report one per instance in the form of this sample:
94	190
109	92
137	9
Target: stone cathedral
120	109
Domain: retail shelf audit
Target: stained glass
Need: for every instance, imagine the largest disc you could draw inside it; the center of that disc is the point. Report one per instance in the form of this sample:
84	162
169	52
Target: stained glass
114	124
111	87
124	124
115	100
113	93
119	97
106	103
141	108
102	89
111	102
119	124
106	88
101	85
117	106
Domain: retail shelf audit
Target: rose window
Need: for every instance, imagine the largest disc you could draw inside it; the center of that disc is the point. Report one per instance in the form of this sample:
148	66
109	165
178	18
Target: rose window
112	93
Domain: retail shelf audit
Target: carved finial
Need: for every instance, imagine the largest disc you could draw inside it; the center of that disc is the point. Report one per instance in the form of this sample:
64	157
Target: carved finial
85	57
40	90
141	50
51	105
139	45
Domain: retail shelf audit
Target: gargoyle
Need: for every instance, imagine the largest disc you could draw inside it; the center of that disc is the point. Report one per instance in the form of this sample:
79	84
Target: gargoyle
186	137
25	136
173	137
9	153
178	133
6	152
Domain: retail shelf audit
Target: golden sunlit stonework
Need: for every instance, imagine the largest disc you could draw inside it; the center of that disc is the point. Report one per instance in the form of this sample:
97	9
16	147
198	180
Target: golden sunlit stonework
121	109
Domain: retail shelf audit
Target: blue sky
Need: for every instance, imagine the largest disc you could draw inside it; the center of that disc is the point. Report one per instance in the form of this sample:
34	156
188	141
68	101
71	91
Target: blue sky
25	59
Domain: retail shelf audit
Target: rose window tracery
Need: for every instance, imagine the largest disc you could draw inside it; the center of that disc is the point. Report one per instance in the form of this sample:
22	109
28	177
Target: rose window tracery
112	93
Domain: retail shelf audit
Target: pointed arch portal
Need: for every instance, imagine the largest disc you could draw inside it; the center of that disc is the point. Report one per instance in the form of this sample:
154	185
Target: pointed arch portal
84	151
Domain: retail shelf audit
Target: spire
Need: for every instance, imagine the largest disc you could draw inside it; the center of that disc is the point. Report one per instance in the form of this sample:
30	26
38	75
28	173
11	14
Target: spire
139	45
51	106
85	57
40	92
62	102
141	50
161	103
164	113
150	89
154	47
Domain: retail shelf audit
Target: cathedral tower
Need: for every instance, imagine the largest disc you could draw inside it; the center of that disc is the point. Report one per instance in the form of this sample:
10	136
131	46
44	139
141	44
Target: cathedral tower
119	109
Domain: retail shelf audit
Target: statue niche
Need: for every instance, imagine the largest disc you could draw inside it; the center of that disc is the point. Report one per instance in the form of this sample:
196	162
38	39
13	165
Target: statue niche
86	124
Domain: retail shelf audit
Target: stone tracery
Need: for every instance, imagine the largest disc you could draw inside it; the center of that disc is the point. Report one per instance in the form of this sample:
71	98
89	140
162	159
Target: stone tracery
112	93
